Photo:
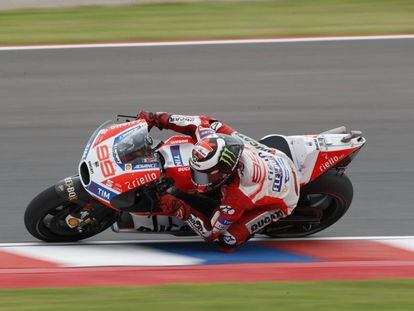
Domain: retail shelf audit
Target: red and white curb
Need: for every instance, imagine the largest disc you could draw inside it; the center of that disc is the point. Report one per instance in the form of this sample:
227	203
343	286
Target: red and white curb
132	263
145	253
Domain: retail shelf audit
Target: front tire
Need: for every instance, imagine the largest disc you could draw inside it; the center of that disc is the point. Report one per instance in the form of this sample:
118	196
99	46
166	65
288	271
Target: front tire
46	207
331	195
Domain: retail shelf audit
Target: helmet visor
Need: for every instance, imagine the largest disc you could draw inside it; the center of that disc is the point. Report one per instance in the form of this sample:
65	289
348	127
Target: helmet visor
207	178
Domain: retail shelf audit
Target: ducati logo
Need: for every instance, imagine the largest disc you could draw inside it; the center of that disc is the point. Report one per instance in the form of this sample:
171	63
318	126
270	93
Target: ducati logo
263	220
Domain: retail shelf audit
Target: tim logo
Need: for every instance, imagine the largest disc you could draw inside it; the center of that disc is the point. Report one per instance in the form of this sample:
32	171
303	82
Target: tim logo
176	155
104	194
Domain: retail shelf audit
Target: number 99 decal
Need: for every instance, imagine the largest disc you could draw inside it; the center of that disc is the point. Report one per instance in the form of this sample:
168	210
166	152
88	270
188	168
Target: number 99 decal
105	163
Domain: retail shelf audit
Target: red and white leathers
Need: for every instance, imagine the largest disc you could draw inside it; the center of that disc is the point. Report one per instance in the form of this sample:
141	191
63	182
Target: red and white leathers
264	189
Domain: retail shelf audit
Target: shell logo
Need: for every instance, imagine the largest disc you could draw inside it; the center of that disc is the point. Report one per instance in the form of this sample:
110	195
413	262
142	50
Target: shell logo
73	222
128	166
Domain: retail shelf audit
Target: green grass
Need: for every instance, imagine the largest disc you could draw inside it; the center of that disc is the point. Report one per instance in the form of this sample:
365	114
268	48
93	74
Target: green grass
277	18
333	295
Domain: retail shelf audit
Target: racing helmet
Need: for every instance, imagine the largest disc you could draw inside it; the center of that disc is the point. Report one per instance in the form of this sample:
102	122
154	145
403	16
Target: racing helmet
213	160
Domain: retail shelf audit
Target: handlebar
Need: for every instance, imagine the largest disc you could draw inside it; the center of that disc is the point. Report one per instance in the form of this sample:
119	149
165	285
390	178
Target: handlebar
125	118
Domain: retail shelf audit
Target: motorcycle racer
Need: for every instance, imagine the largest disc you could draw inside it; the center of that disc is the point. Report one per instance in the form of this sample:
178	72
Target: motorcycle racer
259	185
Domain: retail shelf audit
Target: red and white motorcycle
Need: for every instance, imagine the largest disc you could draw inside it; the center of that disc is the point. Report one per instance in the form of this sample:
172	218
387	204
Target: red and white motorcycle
118	185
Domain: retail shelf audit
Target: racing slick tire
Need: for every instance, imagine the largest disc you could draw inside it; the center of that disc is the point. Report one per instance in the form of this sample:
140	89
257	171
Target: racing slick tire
48	207
330	195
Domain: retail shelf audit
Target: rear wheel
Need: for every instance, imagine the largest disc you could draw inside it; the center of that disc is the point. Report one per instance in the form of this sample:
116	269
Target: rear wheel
46	219
328	198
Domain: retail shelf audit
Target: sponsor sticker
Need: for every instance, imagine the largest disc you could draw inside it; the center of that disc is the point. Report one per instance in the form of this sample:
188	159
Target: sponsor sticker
86	151
139	181
72	222
277	170
128	166
227	210
204	132
101	192
179	141
263	220
184	169
228	157
330	161
129	132
104	194
146	166
91	167
70	188
184	120
201	150
197	225
176	155
229	239
216	126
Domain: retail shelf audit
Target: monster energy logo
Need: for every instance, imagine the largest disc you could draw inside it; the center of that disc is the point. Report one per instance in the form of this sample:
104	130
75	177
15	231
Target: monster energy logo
228	157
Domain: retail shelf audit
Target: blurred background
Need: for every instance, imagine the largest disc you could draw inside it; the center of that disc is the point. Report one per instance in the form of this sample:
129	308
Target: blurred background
52	99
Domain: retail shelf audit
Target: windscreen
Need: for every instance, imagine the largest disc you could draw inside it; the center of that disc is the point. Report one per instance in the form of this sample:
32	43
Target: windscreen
133	145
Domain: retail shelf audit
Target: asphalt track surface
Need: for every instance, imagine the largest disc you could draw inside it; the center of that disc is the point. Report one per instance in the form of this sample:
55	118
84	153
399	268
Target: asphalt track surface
51	100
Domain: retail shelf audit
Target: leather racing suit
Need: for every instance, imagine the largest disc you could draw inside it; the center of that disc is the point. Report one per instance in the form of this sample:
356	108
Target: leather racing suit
264	189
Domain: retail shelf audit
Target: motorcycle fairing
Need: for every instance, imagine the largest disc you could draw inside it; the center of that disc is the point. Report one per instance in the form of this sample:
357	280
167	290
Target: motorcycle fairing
313	155
108	176
71	189
176	152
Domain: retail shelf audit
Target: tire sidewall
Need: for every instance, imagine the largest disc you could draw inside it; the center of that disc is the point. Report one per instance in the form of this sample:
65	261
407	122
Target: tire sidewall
336	185
38	208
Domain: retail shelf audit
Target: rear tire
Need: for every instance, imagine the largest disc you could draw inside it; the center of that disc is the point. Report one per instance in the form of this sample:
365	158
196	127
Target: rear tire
48	203
332	191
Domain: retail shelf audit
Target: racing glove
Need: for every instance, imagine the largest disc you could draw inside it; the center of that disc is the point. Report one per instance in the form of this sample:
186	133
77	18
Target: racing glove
158	119
174	206
197	221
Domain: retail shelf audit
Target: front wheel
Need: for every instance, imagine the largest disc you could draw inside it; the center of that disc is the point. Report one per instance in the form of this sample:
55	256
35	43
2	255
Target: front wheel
328	197
46	219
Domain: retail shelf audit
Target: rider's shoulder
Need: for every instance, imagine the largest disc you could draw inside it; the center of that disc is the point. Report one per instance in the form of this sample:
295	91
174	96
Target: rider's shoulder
248	168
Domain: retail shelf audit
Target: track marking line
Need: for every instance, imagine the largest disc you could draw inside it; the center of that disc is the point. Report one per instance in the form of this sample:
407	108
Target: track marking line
206	42
196	239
